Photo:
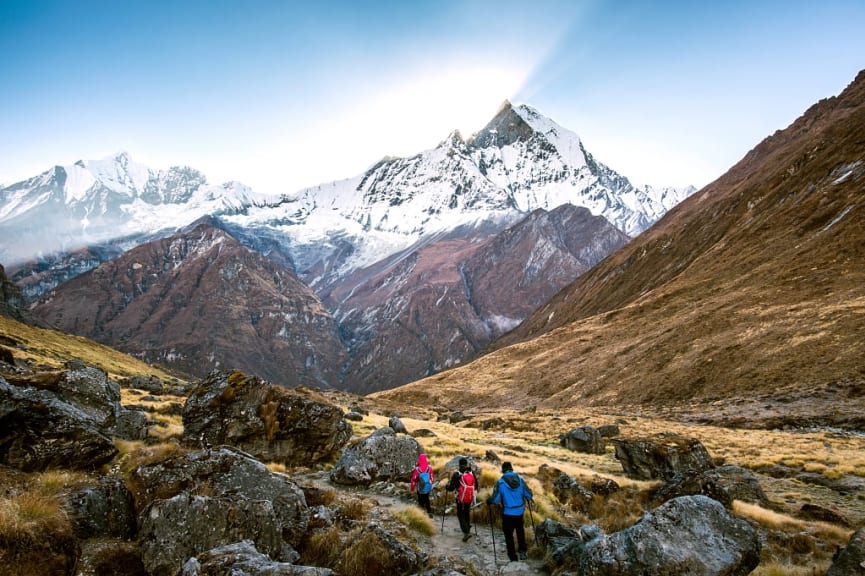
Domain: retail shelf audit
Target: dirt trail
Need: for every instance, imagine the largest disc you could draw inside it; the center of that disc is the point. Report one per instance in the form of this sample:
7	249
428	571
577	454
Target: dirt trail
478	551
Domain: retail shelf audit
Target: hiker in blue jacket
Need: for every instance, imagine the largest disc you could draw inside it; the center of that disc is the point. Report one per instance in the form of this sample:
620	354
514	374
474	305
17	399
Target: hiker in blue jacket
510	493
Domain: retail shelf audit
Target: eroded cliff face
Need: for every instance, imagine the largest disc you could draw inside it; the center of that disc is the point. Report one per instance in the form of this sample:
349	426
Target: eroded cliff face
441	304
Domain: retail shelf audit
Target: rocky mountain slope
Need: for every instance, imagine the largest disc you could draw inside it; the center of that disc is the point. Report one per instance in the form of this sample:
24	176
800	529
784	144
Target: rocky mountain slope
200	300
440	304
748	298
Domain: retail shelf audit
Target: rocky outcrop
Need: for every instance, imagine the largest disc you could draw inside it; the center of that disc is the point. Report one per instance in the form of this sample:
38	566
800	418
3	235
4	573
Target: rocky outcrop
39	431
851	558
89	390
243	559
724	484
270	422
661	456
175	529
225	471
586	439
383	455
11	300
206	499
688	535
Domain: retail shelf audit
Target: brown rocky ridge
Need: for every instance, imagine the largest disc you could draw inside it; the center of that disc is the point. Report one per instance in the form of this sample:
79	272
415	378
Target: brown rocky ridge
200	300
744	305
443	302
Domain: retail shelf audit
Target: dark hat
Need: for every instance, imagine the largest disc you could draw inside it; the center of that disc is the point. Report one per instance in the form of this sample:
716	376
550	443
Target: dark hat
506	467
463	463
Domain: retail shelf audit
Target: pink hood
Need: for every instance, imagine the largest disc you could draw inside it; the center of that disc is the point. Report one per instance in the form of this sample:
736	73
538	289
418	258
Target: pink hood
422	462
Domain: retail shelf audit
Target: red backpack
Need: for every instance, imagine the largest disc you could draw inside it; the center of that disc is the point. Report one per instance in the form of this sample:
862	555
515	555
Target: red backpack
466	491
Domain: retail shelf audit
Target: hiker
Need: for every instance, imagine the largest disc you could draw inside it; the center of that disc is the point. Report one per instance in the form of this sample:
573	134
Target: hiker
510	492
464	483
422	479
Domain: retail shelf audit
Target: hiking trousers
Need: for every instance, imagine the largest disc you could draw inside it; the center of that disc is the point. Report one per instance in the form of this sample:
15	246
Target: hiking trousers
464	512
511	524
423	501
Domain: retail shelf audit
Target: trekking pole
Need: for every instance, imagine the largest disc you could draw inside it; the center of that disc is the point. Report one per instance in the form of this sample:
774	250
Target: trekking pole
492	534
532	517
444	510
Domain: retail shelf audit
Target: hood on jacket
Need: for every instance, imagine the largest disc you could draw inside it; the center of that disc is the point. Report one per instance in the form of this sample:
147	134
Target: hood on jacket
422	462
512	479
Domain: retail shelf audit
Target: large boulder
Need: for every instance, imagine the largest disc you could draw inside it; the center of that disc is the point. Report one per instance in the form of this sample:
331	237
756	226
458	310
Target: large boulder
661	456
293	427
383	455
224	472
176	529
243	559
89	390
689	535
851	558
39	431
586	439
724	483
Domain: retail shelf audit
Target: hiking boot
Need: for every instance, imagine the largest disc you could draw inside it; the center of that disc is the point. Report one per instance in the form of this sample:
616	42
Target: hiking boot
524	556
466	537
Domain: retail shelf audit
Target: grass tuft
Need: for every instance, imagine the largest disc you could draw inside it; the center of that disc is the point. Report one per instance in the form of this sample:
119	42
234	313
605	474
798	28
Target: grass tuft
416	520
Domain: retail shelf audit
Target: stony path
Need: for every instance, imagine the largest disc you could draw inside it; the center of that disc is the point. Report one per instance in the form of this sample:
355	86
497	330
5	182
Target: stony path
478	551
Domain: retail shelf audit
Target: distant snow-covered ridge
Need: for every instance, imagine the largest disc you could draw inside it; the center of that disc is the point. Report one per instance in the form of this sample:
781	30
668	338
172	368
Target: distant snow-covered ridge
519	162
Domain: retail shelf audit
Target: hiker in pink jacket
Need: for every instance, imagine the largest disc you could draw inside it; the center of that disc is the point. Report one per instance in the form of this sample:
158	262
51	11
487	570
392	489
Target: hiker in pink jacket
422	479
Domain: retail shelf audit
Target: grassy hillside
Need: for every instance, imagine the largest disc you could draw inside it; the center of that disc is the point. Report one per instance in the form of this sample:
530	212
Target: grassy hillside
51	349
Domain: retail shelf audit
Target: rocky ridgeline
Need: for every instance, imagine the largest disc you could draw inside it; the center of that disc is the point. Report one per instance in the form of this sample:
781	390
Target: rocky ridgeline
211	507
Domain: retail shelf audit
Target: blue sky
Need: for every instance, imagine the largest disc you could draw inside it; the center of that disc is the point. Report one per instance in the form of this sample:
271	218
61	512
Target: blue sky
280	95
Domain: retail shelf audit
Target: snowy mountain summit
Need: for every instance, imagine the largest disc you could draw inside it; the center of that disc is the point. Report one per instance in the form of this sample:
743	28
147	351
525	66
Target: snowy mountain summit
521	161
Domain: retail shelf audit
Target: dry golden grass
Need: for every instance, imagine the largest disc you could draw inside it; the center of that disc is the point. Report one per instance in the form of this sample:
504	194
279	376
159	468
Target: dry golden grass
29	518
52	348
135	453
416	520
366	556
322	548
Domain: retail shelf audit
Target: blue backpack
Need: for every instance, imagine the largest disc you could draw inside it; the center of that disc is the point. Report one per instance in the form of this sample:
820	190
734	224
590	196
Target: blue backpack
423	483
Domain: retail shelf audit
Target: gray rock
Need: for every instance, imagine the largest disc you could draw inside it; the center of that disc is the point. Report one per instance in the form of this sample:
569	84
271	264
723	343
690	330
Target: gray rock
173	530
243	559
585	439
105	509
39	431
396	424
223	472
274	424
380	456
851	558
567	489
354	417
724	483
661	456
692	535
